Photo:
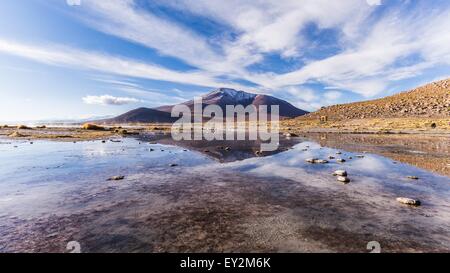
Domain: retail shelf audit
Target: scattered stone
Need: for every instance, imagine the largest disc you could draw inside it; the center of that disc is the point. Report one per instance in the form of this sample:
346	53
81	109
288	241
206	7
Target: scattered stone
121	131
409	201
116	178
331	157
41	127
340	173
227	149
350	157
103	141
173	165
340	160
413	177
206	151
433	125
338	153
151	150
258	153
360	156
343	179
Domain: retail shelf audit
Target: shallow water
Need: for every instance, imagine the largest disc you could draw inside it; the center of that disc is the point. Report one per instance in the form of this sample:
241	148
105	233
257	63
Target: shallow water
213	200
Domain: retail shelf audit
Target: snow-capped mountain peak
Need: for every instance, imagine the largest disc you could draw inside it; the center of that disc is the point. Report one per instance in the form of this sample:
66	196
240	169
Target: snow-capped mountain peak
230	94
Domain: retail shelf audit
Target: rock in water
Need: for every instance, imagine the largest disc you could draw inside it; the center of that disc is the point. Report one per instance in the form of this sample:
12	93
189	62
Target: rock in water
290	135
343	179
321	161
409	201
173	165
340	160
413	177
116	178
340	173
311	160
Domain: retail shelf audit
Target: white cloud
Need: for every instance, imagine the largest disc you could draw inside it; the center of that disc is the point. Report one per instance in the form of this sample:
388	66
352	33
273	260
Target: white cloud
369	66
371	46
70	57
374	2
305	94
108	100
332	95
73	2
123	19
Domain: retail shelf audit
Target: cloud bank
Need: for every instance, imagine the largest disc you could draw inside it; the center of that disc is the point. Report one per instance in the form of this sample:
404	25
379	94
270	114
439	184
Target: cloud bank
108	100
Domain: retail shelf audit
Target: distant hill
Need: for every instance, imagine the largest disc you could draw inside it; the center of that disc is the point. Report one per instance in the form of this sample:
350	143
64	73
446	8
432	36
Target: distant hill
431	100
220	97
141	115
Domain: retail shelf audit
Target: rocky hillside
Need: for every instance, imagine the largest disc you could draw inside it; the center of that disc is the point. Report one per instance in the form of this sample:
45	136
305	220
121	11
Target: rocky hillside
431	100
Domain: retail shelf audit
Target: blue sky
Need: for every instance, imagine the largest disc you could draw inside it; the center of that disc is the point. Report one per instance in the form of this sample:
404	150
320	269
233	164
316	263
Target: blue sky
67	60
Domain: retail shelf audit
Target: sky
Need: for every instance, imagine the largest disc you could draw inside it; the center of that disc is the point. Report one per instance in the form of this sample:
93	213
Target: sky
74	59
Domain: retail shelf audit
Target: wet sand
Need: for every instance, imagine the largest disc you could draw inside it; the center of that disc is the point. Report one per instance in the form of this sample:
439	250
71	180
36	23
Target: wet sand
52	193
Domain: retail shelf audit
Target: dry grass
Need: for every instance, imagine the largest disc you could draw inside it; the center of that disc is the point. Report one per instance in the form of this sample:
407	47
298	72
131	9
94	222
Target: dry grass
23	127
374	125
94	127
16	134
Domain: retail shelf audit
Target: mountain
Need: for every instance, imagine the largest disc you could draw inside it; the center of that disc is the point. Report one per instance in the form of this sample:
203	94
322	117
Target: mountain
220	97
431	100
226	96
141	115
